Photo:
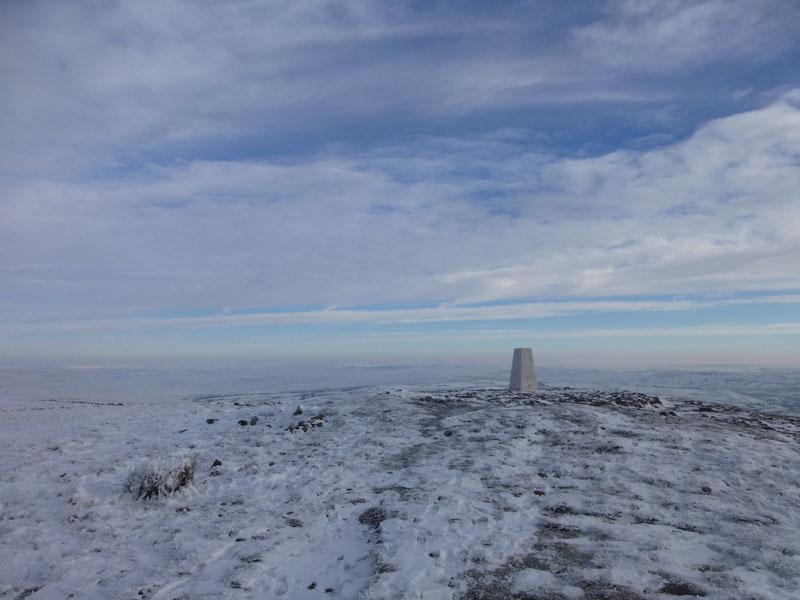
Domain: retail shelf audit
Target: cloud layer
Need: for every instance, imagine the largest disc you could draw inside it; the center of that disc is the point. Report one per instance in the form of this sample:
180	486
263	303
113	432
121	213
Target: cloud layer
438	220
296	157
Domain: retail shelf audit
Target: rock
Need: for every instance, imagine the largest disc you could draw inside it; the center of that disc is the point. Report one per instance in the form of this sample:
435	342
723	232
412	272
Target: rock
705	409
609	449
312	585
242	422
210	421
682	588
606	591
253	420
705	489
297	411
448	433
217	462
373	517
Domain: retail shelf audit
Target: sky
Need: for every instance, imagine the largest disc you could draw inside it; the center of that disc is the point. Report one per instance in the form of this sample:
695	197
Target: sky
613	183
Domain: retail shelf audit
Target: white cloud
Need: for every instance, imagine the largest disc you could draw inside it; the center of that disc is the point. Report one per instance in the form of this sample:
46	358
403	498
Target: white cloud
456	220
139	173
158	80
664	35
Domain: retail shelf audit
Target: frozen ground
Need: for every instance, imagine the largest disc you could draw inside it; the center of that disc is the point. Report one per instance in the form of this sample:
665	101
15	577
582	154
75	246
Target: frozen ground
388	492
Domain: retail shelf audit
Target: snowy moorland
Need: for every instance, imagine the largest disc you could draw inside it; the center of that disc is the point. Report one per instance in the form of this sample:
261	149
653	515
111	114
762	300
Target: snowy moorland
387	492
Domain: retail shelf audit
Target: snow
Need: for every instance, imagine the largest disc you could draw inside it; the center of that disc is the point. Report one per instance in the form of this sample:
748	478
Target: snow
428	492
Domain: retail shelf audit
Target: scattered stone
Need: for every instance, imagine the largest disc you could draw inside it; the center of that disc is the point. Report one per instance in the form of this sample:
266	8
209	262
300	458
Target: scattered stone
705	409
217	462
312	585
448	433
298	411
294	523
538	492
706	489
306	425
604	398
210	421
328	590
242	422
253	420
542	474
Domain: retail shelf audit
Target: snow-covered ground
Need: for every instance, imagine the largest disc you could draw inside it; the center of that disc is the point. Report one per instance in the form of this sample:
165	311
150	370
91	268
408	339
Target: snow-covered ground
400	492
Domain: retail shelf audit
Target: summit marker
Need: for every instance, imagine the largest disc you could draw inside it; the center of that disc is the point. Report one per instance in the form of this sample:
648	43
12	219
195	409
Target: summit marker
523	374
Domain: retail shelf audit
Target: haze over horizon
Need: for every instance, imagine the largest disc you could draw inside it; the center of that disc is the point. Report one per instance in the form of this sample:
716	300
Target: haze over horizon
612	183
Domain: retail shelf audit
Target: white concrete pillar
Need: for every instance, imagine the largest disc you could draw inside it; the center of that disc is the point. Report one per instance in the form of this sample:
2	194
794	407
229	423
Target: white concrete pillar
523	375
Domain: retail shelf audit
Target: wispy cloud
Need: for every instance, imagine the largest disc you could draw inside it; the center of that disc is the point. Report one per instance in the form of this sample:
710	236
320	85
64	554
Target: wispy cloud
272	156
663	35
159	80
438	314
456	220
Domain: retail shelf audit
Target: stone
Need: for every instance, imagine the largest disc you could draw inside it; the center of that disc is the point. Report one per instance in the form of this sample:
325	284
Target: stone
253	420
682	588
373	517
523	374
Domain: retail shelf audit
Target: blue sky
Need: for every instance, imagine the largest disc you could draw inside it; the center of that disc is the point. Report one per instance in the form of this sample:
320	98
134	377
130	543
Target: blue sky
612	183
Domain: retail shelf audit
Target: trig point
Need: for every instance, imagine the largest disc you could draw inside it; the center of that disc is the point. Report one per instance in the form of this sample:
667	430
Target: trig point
523	375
